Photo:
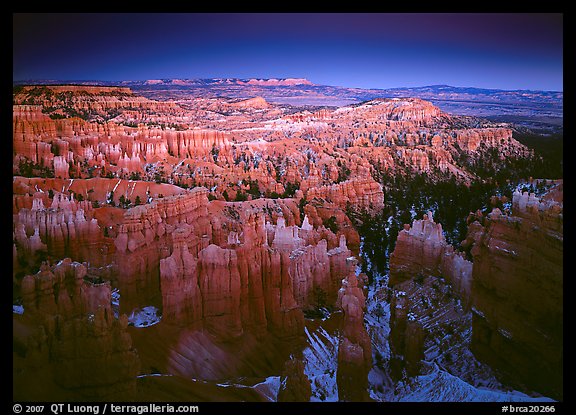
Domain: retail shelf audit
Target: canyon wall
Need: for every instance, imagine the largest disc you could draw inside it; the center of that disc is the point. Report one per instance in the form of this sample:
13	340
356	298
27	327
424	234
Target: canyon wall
517	293
513	288
72	331
362	194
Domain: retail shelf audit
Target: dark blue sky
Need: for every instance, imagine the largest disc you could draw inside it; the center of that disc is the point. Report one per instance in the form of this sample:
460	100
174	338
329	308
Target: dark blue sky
504	51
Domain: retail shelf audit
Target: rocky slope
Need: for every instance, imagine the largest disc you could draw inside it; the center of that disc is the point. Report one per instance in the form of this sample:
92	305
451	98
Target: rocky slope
505	306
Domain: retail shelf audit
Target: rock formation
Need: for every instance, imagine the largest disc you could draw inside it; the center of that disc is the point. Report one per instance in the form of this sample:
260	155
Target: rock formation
422	250
227	272
181	296
72	326
294	386
256	103
406	338
365	194
421	267
220	286
513	288
517	292
64	228
355	349
231	217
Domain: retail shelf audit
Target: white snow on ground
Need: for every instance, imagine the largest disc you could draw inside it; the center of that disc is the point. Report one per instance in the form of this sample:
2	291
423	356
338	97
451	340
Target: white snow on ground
290	126
377	321
413	213
17	309
258	142
114	190
116	302
321	362
469	380
145	317
440	386
269	388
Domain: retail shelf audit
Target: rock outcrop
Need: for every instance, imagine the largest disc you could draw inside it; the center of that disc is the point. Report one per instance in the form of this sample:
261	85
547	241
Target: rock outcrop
73	332
220	286
65	228
142	241
294	386
395	109
362	194
84	97
229	272
255	103
407	338
421	250
181	296
517	293
355	348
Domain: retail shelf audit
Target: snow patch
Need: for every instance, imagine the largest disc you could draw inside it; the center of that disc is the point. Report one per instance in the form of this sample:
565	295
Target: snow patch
440	386
505	333
478	312
115	302
114	190
269	388
321	363
150	375
145	317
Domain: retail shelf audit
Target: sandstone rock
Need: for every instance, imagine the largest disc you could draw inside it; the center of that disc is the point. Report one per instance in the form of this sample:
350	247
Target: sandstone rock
406	338
255	103
361	194
63	229
90	352
355	349
219	281
236	270
181	296
422	250
295	386
517	294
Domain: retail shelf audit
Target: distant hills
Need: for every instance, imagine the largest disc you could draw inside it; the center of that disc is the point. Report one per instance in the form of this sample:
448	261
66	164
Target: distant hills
538	110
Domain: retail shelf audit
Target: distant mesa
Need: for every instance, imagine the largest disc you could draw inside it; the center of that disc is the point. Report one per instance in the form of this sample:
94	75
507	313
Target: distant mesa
181	82
90	89
279	82
226	81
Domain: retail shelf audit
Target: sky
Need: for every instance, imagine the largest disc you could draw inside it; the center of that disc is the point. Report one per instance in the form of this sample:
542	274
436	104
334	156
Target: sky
374	50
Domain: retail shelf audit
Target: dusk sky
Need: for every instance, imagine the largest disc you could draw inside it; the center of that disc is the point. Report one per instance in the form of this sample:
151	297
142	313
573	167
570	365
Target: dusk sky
502	51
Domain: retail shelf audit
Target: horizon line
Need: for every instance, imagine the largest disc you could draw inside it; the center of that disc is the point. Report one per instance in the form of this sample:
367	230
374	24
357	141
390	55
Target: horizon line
71	82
